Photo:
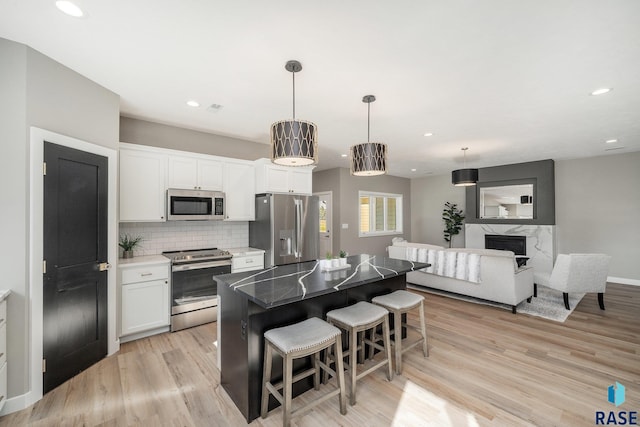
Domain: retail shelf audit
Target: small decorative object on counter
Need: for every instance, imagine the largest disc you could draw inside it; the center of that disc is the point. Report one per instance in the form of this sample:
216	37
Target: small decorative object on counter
128	243
326	263
343	258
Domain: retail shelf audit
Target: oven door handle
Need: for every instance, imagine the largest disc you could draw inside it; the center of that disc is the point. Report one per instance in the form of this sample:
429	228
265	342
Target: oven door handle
200	265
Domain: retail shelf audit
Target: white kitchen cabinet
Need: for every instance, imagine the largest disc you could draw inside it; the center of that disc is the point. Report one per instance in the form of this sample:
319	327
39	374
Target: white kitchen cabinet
239	189
246	259
3	352
194	173
272	178
145	296
142	185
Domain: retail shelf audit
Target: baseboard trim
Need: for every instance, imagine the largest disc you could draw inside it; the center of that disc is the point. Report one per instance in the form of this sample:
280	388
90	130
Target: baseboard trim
17	403
623	281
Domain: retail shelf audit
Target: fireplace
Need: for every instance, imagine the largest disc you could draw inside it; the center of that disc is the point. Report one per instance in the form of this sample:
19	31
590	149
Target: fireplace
515	244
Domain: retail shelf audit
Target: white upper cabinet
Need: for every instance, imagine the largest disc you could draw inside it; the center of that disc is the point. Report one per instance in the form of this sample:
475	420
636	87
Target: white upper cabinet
192	173
272	178
239	190
142	185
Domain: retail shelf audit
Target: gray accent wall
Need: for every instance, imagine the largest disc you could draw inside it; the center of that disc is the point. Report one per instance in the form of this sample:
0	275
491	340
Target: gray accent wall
143	132
428	196
346	207
598	209
540	172
37	91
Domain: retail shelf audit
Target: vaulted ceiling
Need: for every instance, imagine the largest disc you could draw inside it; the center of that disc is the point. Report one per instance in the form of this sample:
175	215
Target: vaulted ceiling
511	80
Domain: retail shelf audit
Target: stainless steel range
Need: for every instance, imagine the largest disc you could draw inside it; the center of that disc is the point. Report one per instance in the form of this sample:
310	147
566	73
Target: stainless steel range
194	293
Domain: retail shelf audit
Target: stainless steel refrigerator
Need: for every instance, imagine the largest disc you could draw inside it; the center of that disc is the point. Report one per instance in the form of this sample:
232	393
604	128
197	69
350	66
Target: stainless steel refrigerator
286	227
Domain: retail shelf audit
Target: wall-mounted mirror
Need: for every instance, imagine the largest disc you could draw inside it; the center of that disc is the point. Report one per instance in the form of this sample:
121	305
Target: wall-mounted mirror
506	201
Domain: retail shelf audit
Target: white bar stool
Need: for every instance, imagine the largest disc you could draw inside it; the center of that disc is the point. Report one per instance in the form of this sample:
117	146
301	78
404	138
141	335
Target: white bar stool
400	302
362	317
301	339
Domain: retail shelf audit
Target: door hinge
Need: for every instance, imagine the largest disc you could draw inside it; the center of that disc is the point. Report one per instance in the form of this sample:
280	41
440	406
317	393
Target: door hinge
44	266
44	168
44	365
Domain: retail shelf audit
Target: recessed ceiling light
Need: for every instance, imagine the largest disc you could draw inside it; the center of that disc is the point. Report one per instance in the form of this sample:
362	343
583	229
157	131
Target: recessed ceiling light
601	91
611	141
193	103
343	155
413	170
69	8
428	134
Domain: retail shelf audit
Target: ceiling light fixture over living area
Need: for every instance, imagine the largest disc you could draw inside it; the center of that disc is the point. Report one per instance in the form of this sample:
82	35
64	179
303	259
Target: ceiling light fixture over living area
464	177
370	158
294	142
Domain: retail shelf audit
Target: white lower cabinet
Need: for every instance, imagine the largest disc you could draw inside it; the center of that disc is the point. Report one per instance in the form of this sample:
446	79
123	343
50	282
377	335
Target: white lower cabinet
145	299
246	259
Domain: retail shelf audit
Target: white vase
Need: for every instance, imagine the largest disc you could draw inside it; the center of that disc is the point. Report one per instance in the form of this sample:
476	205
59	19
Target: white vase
343	261
335	262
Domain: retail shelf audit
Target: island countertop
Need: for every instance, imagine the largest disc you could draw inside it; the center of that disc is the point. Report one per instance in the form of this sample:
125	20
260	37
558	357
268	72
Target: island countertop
285	284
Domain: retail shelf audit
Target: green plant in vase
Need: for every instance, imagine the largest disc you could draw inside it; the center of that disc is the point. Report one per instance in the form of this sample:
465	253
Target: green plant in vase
128	243
452	217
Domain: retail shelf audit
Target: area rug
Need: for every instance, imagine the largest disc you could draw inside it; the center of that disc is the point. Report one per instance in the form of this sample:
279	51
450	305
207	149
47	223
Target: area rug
548	304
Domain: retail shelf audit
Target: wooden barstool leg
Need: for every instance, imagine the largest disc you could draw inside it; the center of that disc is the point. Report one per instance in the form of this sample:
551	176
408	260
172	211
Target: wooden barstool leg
373	340
287	375
397	339
266	377
340	371
353	363
387	346
361	353
315	358
423	331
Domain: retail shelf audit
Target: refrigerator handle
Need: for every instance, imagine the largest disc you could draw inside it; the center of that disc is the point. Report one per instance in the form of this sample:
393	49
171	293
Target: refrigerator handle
298	227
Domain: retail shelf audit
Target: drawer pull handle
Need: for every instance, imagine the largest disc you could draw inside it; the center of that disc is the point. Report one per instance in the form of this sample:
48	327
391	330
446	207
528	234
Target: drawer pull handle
146	274
249	260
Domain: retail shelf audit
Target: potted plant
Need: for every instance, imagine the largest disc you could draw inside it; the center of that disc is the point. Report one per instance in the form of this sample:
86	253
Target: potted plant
326	262
452	217
128	243
343	257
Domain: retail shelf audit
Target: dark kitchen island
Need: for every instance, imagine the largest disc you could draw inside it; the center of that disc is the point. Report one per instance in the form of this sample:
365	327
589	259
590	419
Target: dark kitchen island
253	302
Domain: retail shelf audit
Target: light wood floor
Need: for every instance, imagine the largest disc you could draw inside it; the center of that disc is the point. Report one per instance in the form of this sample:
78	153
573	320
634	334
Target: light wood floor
486	367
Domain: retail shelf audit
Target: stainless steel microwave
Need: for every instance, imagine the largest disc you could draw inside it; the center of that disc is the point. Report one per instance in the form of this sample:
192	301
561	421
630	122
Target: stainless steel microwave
194	205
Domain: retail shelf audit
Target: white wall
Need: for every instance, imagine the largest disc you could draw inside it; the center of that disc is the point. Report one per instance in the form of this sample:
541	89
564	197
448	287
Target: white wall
598	209
428	196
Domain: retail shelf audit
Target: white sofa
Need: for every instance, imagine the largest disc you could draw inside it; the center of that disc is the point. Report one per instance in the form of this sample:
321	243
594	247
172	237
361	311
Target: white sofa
487	274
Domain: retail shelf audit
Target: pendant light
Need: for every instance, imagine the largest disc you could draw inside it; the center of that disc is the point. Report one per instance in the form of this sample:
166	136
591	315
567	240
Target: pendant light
370	158
464	177
294	142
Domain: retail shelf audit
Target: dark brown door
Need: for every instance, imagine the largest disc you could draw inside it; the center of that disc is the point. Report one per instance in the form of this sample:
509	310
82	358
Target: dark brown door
75	245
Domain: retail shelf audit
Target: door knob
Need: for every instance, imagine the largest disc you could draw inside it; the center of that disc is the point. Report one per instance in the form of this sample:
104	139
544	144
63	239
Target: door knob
104	266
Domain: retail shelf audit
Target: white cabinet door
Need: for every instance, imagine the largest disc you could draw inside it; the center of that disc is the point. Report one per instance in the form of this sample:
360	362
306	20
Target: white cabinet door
183	172
145	306
210	173
192	173
239	189
277	179
142	186
300	181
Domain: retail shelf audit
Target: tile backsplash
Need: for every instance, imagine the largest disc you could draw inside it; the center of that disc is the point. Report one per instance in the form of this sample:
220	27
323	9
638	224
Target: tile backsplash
158	237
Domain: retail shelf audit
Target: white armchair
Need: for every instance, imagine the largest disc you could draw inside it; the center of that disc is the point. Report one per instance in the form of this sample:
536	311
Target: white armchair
577	273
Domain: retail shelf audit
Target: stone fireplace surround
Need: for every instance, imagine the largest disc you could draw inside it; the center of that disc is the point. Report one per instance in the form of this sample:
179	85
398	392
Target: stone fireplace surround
541	241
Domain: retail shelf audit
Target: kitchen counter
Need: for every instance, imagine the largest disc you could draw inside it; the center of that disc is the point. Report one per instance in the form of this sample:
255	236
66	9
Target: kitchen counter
245	251
289	283
142	260
253	302
4	293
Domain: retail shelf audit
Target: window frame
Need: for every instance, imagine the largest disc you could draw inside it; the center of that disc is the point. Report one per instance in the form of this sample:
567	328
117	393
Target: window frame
372	195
